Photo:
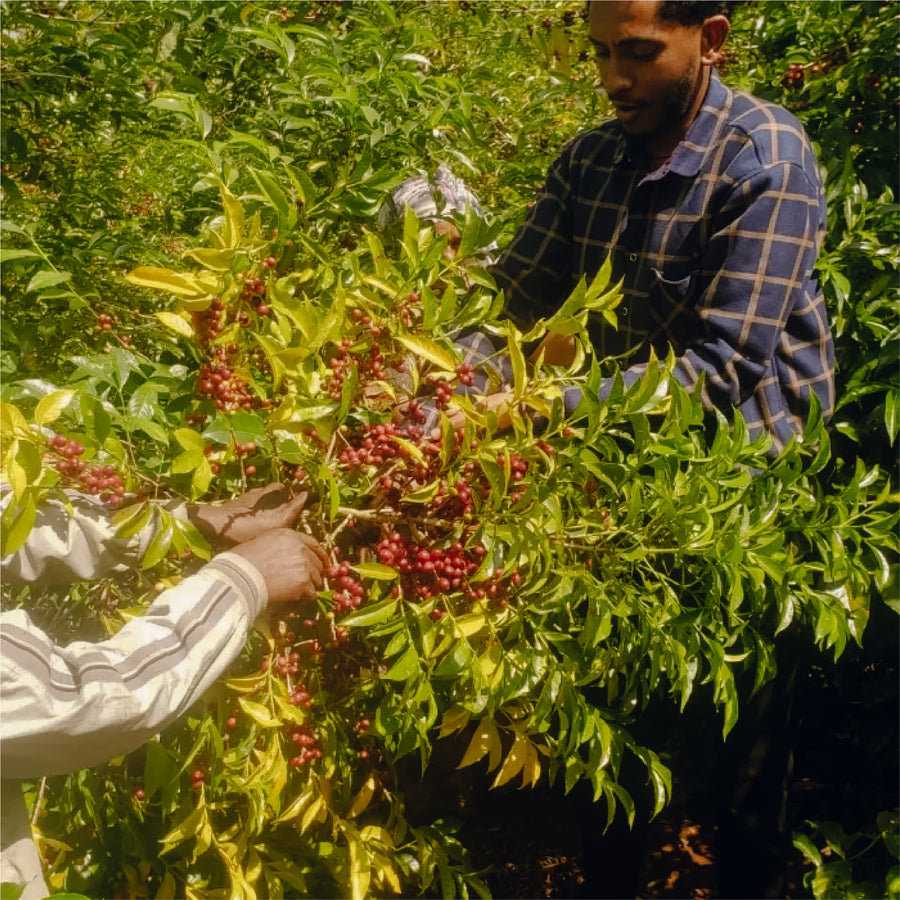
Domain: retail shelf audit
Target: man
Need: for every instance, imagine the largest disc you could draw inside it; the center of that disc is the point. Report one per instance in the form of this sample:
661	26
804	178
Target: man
67	708
709	205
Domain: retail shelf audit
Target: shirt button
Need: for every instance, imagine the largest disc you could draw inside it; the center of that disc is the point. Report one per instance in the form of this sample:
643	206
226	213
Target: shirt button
632	257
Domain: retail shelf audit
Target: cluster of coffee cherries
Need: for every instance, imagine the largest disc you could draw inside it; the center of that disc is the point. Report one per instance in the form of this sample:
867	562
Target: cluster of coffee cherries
300	696
443	391
288	663
376	444
305	737
518	466
458	501
208	322
465	374
219	382
794	75
102	481
348	592
370	368
410	308
426	572
339	364
105	322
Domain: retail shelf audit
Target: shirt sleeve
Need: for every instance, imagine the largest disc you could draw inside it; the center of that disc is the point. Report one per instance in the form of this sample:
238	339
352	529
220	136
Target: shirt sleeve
67	708
535	270
77	544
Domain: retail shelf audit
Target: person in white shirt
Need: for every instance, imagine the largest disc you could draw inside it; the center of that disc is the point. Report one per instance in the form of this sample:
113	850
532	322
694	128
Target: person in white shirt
68	708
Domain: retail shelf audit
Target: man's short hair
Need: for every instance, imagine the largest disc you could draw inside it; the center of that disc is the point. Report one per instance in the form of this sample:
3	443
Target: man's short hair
692	13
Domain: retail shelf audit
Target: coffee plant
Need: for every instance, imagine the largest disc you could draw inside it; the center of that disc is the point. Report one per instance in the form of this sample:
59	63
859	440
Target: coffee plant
222	311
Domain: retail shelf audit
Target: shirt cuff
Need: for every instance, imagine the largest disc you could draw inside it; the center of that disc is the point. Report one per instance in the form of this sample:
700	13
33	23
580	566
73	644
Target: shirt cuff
247	581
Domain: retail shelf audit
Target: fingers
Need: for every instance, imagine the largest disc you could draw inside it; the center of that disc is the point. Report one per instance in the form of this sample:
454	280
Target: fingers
319	551
292	509
268	497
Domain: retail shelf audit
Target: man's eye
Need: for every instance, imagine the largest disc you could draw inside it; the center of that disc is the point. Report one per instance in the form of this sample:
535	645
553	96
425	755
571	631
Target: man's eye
645	54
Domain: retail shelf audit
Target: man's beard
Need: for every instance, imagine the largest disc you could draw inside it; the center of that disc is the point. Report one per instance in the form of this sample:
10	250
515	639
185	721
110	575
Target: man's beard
675	107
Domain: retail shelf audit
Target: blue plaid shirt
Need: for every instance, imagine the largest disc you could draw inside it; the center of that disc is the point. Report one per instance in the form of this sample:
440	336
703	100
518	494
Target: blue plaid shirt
716	249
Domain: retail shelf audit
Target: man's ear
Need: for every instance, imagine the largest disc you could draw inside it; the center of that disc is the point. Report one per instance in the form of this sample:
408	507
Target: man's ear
713	32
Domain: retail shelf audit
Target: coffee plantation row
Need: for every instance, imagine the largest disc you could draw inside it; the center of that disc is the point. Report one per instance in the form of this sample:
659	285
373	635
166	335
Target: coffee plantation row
197	299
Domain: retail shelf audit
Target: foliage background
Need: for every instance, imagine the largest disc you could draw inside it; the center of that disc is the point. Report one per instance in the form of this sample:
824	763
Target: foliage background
119	122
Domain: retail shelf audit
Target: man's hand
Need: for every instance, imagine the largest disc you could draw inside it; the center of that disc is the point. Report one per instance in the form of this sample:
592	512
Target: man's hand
558	350
248	516
290	563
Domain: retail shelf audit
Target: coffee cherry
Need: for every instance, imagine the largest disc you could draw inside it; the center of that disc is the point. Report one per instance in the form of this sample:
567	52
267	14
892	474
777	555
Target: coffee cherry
140	794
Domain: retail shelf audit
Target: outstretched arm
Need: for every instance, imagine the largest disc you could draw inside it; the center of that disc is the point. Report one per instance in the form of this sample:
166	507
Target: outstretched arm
66	708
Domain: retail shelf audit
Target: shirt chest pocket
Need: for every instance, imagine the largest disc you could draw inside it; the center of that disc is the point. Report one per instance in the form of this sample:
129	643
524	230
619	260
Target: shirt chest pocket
672	310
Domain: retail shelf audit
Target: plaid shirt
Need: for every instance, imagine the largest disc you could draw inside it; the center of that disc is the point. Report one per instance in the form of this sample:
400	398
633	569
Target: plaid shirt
716	250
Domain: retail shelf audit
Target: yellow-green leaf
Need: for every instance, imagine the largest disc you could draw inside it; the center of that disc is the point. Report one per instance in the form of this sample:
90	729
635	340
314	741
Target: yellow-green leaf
176	323
362	799
411	449
201	477
360	872
429	350
259	713
375	570
234	218
189	439
296	807
455	719
317	812
486	740
12	422
211	258
471	623
184	286
50	407
514	761
16	531
189	826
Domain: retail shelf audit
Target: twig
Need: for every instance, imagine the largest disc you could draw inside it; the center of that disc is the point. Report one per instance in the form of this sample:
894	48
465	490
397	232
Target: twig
39	801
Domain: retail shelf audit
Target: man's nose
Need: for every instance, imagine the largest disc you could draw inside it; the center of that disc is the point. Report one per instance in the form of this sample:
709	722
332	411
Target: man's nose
617	77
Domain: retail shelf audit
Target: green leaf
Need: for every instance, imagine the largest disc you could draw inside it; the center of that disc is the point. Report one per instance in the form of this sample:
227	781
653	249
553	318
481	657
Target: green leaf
189	439
805	845
158	547
188	461
376	570
45	279
7	254
372	614
160	769
405	667
17	522
276	196
129	520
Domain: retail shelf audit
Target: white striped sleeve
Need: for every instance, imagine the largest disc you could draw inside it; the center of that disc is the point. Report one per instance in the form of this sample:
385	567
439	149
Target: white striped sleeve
77	544
67	708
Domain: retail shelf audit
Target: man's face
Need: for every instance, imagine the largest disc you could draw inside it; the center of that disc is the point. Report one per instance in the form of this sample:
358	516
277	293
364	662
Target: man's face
651	69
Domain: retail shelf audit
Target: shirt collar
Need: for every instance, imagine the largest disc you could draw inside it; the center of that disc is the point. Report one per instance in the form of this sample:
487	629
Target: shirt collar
687	157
